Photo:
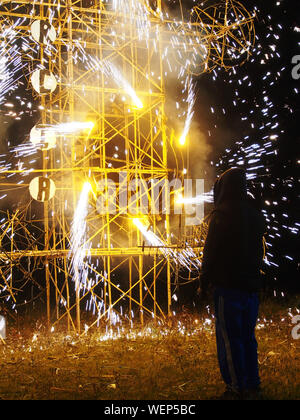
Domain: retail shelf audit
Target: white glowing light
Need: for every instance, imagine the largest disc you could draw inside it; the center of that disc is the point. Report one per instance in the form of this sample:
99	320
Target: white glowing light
125	85
190	113
185	258
2	327
202	198
78	233
72	127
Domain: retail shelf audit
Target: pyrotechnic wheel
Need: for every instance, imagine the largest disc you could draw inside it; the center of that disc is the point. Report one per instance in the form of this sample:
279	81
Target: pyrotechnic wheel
190	53
227	30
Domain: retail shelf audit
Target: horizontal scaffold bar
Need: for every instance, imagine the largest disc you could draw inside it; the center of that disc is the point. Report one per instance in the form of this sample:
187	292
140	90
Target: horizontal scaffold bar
95	252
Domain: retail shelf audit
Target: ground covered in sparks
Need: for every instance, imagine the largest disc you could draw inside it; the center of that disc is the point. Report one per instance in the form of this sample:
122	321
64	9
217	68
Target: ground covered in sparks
175	362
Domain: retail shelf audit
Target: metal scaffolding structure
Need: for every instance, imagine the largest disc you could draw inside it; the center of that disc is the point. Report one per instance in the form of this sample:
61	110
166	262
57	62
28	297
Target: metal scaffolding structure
99	70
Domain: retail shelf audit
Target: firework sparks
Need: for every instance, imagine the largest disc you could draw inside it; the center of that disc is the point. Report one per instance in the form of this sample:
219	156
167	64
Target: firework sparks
123	83
191	99
259	149
136	13
44	136
10	61
77	238
202	198
70	128
186	258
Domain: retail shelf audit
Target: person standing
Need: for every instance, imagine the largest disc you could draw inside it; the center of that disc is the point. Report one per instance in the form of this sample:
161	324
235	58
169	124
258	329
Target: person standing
232	260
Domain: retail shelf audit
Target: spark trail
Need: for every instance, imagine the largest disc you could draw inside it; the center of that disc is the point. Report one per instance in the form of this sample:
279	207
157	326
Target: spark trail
77	238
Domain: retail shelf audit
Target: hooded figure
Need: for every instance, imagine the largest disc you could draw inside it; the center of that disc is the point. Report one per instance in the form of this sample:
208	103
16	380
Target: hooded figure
233	252
232	259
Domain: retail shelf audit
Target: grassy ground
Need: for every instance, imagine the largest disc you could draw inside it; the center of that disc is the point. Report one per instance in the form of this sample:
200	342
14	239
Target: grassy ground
158	362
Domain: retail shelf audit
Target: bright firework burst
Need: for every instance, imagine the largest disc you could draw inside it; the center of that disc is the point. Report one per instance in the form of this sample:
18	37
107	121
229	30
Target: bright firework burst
10	60
77	238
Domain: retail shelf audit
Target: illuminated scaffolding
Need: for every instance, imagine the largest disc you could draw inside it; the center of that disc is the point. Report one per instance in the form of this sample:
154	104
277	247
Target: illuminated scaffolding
98	69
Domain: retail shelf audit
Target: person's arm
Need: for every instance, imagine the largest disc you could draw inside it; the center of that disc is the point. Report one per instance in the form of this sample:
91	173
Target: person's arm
212	249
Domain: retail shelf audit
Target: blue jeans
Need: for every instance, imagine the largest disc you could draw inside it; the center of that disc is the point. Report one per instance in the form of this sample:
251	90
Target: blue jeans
236	315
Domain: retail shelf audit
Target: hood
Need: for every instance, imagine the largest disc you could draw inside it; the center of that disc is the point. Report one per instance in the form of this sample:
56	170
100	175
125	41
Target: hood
231	187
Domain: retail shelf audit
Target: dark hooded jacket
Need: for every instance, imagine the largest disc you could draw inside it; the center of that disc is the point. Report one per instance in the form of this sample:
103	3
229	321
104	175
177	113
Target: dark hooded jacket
233	251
